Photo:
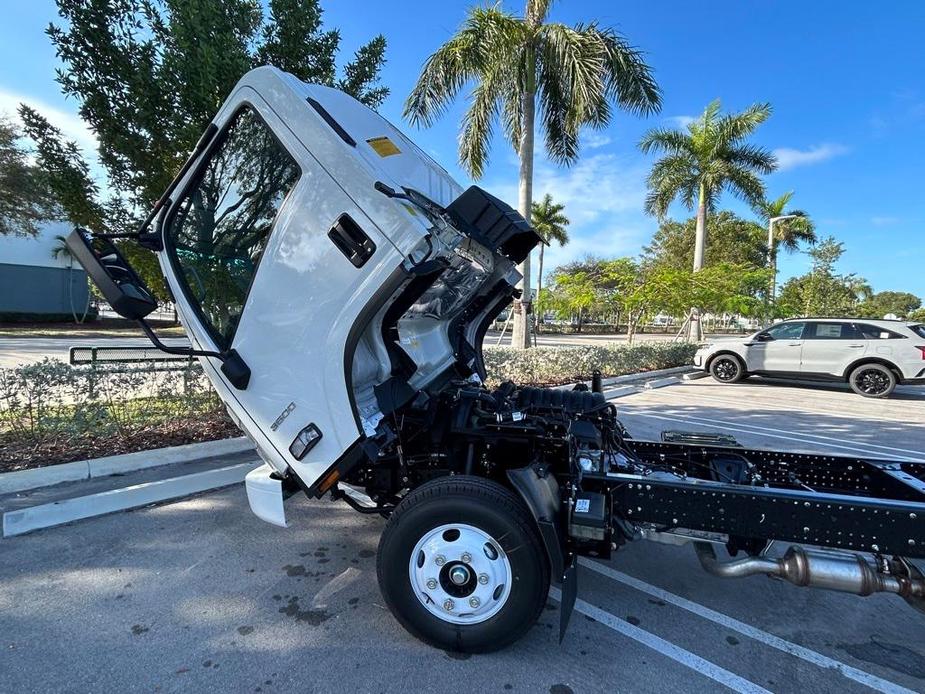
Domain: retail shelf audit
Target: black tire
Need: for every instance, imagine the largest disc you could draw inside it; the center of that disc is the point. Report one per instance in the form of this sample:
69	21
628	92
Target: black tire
872	380
727	368
491	509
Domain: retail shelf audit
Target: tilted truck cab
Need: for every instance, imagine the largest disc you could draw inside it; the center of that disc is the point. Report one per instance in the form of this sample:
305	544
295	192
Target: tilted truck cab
336	284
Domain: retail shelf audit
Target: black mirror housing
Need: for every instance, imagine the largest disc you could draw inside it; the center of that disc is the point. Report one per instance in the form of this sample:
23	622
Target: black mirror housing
111	272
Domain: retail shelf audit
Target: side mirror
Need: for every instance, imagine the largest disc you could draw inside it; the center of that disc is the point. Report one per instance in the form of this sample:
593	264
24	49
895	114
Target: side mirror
763	337
110	271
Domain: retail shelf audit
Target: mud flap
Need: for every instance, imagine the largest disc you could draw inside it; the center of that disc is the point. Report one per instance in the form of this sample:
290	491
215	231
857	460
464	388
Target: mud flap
569	593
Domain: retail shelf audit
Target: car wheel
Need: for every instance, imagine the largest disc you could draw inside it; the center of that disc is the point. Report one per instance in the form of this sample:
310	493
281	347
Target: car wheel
872	381
727	368
461	565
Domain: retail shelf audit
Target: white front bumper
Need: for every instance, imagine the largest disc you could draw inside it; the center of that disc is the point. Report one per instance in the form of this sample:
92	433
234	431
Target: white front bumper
265	495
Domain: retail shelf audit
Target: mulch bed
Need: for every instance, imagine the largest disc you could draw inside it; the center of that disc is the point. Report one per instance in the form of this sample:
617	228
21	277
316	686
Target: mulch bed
20	455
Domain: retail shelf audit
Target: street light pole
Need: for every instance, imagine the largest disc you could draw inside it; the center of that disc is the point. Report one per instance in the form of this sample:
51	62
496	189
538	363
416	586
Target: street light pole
771	264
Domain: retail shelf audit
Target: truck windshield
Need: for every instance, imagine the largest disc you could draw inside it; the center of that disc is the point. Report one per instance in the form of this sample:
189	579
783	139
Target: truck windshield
224	219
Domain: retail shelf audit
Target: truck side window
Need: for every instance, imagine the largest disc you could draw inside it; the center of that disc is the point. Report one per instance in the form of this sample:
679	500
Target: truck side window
223	222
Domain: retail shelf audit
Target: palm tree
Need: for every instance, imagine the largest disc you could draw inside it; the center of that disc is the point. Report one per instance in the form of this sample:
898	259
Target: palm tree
573	73
788	231
549	220
699	164
61	250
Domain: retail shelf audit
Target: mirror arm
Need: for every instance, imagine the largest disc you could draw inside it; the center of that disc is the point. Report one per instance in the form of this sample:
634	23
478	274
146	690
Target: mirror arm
234	367
182	351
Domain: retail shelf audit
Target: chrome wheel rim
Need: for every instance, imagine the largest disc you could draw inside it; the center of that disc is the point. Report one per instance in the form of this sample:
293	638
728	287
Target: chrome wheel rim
460	574
872	382
725	369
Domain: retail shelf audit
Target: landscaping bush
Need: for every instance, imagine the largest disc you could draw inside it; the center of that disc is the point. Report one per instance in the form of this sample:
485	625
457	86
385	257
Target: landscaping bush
54	398
557	365
54	412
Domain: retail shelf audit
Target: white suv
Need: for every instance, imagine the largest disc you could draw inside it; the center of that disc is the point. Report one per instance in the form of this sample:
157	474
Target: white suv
873	356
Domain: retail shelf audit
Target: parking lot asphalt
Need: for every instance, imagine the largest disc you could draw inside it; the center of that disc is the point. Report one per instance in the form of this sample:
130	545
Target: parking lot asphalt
201	595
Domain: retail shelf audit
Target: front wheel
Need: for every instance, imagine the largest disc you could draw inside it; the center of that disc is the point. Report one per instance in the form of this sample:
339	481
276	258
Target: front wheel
872	381
461	565
727	368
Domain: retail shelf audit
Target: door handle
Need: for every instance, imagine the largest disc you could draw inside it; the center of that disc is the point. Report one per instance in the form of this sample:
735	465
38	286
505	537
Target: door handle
351	240
856	346
795	344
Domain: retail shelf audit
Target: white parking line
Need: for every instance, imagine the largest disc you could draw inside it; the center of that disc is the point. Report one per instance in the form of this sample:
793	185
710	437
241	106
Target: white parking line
789	437
751	632
666	648
799	433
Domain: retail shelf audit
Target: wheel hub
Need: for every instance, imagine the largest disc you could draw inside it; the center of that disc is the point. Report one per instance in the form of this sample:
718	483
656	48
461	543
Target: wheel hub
726	369
460	574
872	381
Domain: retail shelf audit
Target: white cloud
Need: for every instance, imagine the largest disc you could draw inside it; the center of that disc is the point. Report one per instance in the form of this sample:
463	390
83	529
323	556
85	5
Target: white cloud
681	121
789	157
592	140
603	196
884	221
69	123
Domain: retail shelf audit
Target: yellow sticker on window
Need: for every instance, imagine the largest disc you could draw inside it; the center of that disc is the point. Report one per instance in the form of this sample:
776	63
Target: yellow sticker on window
383	146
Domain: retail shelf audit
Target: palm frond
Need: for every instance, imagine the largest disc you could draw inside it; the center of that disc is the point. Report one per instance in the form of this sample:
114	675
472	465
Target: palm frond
487	35
666	140
735	127
745	185
671	177
752	157
629	79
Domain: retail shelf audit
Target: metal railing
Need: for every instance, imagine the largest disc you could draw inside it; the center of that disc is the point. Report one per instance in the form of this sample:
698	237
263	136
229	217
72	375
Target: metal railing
123	354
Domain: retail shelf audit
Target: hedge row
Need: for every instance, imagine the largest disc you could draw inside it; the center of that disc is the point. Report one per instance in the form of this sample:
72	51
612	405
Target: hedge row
52	398
557	365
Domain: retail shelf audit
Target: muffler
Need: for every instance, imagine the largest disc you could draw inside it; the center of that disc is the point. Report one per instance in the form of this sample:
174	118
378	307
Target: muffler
832	570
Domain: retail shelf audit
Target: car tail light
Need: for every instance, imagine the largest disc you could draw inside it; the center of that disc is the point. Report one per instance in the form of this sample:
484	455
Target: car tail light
921	347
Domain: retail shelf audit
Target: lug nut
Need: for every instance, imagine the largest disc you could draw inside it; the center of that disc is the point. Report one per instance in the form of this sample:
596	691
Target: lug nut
431	583
466	557
440	560
448	605
474	602
483	579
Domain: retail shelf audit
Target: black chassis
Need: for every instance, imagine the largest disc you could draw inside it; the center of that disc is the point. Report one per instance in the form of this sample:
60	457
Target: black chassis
875	506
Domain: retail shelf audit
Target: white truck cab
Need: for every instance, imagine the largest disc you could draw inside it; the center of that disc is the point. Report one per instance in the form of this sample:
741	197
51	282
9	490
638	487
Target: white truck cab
336	285
327	300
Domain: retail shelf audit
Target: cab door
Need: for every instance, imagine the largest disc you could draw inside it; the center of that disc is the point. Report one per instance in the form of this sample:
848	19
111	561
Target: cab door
779	348
266	255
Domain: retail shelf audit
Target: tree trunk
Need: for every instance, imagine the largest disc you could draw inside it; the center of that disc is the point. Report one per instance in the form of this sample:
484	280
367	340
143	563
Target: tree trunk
539	285
695	333
520	338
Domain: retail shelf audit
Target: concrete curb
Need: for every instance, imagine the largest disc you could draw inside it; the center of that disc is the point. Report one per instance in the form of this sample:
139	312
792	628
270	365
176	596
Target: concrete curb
647	375
68	510
23	480
634	378
661	382
694	375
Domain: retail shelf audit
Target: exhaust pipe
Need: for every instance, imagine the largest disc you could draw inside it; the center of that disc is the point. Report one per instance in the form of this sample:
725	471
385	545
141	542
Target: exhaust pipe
841	571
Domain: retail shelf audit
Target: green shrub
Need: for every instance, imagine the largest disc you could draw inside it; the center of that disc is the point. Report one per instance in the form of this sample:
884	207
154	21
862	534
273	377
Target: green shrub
557	365
54	399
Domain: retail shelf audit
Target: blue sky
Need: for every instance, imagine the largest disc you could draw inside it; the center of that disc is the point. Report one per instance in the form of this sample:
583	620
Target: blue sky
846	79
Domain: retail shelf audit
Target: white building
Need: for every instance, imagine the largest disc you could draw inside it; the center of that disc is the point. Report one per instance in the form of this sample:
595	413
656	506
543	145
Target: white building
36	286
